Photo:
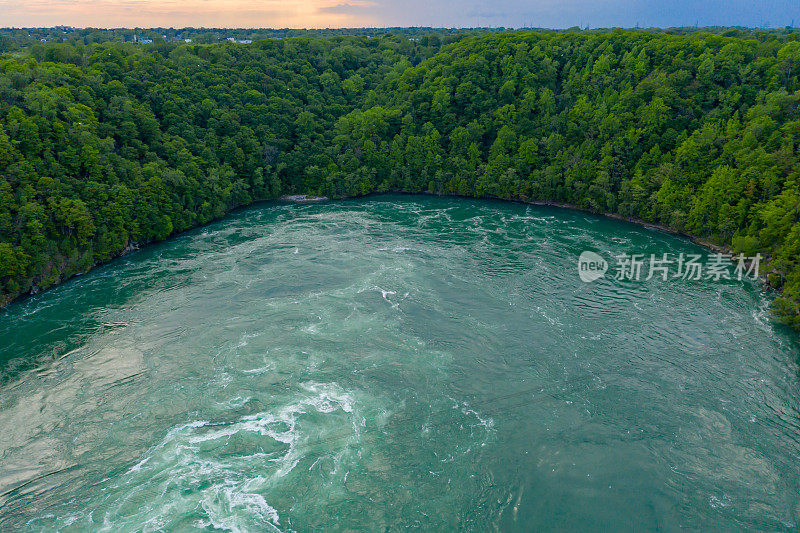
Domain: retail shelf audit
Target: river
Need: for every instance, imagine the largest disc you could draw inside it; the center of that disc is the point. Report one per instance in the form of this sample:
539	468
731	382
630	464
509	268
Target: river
397	362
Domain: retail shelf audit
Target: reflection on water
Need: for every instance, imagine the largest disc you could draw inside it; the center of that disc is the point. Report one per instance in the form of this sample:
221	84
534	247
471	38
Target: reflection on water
396	363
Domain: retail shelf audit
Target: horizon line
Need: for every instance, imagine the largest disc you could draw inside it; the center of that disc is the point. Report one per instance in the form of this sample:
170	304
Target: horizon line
378	27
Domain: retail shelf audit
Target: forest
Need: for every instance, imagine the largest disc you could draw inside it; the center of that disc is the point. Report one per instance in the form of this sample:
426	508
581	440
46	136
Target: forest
109	145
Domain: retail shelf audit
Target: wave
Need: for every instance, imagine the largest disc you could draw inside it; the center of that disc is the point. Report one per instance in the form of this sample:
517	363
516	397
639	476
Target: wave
221	474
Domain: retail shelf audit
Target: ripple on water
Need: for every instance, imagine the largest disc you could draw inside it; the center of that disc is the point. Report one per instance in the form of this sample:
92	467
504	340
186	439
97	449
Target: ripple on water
228	469
396	363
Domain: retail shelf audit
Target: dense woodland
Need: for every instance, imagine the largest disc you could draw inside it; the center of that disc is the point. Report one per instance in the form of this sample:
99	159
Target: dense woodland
108	145
31	40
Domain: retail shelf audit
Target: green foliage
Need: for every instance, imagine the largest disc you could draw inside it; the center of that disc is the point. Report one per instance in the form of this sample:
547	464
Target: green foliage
106	145
137	143
696	132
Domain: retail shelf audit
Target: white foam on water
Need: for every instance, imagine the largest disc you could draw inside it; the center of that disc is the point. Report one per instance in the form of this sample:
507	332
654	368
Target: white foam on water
385	293
269	367
246	337
195	468
328	393
220	516
311	329
399	249
486	422
761	316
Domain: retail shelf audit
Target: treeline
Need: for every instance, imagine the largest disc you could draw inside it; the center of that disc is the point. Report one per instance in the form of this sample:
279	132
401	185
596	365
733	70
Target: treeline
135	144
699	132
31	39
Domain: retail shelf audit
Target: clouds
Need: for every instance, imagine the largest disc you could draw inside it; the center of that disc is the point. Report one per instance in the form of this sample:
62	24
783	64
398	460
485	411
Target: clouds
349	8
180	13
447	13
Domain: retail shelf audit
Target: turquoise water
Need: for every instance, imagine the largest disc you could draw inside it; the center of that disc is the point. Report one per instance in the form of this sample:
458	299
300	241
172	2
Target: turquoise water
396	363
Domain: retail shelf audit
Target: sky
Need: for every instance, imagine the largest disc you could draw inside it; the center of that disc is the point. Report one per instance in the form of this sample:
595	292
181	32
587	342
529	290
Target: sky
438	13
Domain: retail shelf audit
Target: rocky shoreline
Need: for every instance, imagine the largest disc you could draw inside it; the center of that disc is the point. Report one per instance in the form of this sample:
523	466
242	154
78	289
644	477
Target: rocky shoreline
302	198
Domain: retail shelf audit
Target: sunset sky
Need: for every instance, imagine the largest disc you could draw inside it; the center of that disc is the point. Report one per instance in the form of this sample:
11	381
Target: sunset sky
448	13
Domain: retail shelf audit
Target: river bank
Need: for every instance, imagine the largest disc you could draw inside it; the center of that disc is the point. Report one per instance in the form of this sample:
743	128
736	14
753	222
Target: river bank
308	199
717	248
302	198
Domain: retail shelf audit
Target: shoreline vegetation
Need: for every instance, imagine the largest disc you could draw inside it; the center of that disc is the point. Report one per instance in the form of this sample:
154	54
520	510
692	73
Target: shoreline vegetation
311	199
107	146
